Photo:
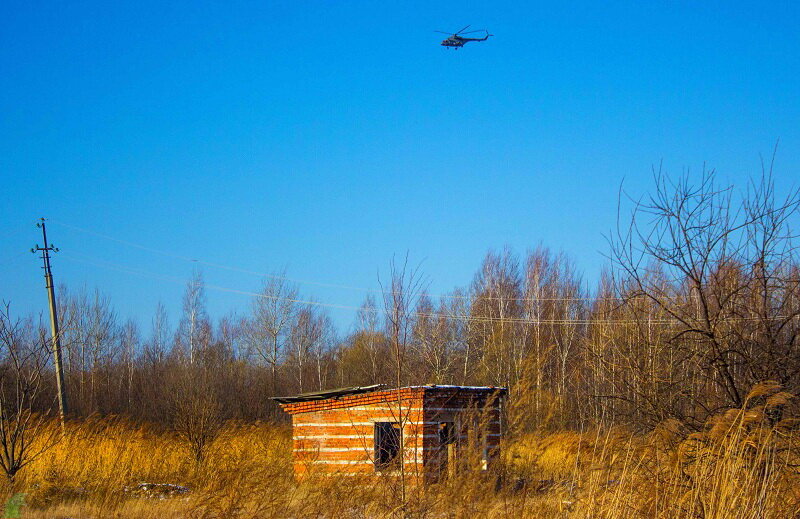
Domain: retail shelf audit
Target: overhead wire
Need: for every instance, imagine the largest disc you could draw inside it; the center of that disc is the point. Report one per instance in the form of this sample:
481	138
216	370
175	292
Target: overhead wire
10	260
174	279
13	258
11	234
434	315
160	277
315	283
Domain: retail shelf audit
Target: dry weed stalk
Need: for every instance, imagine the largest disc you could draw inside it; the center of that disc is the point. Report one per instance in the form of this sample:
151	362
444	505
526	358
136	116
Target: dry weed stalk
742	464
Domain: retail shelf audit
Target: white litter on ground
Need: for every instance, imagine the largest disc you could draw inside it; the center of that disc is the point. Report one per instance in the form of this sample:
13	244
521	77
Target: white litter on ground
156	490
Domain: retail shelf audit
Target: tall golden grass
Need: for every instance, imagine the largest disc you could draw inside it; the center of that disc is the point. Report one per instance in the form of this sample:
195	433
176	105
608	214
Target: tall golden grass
743	464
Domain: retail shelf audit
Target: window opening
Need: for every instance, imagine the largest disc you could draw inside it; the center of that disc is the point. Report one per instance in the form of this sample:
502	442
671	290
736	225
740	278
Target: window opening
387	444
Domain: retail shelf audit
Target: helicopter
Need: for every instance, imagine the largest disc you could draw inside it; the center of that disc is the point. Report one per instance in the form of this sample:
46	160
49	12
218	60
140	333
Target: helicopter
457	41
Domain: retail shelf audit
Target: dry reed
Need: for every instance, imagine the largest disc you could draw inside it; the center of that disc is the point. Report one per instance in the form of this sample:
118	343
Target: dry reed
742	464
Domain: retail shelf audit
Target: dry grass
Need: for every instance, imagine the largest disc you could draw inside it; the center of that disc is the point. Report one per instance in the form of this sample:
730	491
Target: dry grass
743	464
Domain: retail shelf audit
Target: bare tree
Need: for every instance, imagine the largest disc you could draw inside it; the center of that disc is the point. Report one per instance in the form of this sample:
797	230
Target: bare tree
103	334
495	308
273	313
156	347
433	342
399	300
197	413
372	340
230	331
306	338
193	327
718	265
24	433
153	366
130	341
324	349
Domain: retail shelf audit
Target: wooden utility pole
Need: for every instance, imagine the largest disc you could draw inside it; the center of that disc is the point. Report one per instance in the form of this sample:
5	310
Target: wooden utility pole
51	296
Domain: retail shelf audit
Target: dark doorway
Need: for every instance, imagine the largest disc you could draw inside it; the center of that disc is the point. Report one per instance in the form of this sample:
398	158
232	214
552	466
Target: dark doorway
447	448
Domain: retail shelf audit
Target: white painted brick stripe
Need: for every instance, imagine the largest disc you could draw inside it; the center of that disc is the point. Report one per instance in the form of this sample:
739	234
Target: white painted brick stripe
351	449
372	422
349	436
458	410
405	409
369	408
347	462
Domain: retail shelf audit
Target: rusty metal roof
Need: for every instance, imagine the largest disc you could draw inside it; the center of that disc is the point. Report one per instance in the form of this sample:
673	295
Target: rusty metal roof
344	391
328	393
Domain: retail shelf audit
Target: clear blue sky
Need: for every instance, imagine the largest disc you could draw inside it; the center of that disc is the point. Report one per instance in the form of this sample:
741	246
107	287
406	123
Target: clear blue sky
326	136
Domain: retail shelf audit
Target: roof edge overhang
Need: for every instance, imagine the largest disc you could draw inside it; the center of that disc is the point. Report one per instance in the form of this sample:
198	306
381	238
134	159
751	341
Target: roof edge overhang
347	391
329	393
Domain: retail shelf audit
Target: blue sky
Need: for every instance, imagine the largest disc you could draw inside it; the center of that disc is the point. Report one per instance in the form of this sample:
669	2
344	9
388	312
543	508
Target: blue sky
326	137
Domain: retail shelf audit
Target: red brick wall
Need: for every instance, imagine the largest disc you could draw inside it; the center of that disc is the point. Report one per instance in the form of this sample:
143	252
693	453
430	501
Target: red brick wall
334	438
336	435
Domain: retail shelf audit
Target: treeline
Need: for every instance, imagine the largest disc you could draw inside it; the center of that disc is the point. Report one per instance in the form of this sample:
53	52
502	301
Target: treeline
700	301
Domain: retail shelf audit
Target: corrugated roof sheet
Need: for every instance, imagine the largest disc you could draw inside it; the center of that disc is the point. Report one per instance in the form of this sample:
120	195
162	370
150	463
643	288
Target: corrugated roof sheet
329	393
446	386
333	393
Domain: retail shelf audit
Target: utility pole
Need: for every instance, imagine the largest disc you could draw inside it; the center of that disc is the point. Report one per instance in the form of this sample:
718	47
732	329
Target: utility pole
51	296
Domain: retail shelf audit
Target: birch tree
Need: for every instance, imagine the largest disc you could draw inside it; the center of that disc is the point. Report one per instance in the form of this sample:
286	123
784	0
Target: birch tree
273	313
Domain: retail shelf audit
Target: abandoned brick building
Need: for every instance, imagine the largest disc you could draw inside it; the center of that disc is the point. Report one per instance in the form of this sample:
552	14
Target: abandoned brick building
432	430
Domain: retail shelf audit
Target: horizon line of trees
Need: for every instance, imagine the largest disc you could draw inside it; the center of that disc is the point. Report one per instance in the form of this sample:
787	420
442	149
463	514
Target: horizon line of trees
701	301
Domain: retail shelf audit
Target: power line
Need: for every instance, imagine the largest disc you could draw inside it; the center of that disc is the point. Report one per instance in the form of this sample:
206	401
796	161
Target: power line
173	279
375	310
317	283
13	258
11	234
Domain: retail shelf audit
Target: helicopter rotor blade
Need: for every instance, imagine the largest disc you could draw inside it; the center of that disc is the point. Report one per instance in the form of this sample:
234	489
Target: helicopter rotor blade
472	32
464	29
442	32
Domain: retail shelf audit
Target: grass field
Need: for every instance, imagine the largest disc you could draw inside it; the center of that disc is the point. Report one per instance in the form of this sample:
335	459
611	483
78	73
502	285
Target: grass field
744	464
